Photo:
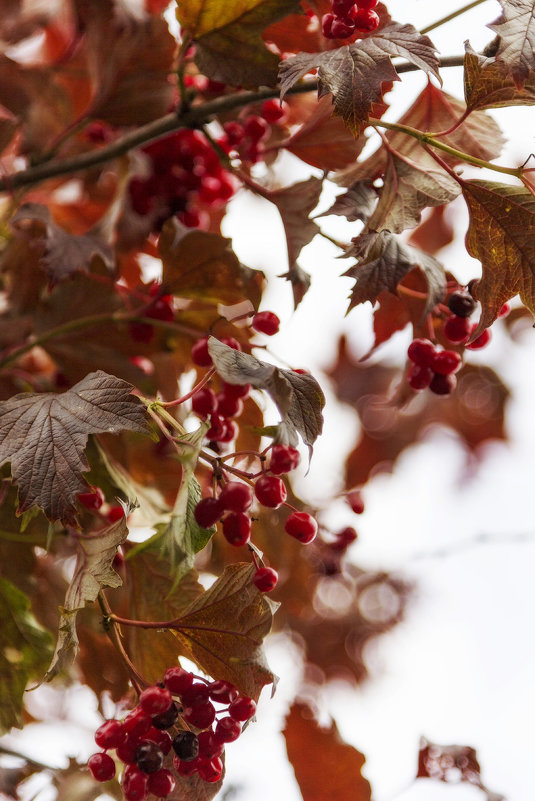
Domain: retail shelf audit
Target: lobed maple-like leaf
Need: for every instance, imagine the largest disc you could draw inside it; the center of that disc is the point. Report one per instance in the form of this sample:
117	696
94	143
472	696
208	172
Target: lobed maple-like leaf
358	203
407	190
64	253
295	204
93	571
228	38
489	84
223	629
384	260
324	765
298	396
44	435
355	74
500	235
516	30
25	649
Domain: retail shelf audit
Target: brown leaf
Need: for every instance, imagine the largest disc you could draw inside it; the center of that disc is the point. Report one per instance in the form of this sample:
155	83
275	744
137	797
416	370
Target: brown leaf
44	436
502	218
516	29
295	204
384	260
325	766
433	110
64	253
357	203
203	266
300	281
324	141
488	83
452	763
434	233
228	37
407	190
223	630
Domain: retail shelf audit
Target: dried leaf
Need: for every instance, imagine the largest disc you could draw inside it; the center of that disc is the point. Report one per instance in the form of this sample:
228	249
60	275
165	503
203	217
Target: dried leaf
223	630
488	83
64	253
434	233
300	281
516	29
227	33
452	763
295	204
358	203
384	260
44	436
298	396
502	219
25	649
407	190
313	751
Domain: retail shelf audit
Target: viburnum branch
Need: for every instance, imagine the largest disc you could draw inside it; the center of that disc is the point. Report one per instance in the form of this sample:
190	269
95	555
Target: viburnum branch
191	393
449	17
137	680
190	118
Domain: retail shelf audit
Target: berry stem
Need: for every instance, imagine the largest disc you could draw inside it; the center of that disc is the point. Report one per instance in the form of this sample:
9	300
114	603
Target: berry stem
196	388
137	680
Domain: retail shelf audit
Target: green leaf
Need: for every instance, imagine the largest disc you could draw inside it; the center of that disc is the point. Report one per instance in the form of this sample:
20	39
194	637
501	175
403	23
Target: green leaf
227	33
93	571
25	650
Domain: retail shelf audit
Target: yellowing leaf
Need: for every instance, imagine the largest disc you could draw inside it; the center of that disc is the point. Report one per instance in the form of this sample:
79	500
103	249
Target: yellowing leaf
500	235
227	33
25	649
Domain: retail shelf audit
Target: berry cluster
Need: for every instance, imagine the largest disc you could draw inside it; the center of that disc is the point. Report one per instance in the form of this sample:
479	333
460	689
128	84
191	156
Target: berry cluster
94	500
246	138
349	17
179	715
432	368
458	327
185	173
160	307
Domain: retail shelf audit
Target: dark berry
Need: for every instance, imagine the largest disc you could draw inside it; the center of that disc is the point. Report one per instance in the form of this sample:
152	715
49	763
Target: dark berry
222	692
302	526
177	680
421	352
462	304
102	767
155	699
419	377
265	579
237	528
236	497
270	491
149	757
227	730
111	734
242	709
443	384
207	512
266	322
162	783
186	746
457	329
166	719
201	715
446	362
283	459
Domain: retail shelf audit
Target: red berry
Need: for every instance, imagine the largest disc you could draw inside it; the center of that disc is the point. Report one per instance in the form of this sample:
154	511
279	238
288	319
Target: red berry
186	768
273	111
137	722
327	24
270	491
234	131
237	528
302	526
217	428
236	390
443	384
160	737
243	708
255	128
229	405
98	132
231	343
222	692
446	362
236	497
266	322
115	513
110	734
355	501
482	340
344	538
126	752
204	402
199	353
160	309
421	352
366	4
102	767
210	771
92	500
162	783
135	784
341	8
155	699
419	377
265	579
177	680
283	459
366	20
201	715
342	29
504	311
209	746
457	329
207	512
227	730
198	693
230	431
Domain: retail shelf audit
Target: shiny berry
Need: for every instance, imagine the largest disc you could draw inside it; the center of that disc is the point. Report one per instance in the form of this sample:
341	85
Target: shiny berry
421	352
482	340
446	362
137	722
207	512
149	757
165	719
204	402
326	25
457	329
366	4
135	784
366	20
227	730
283	459
236	496
177	680
302	526
270	491
92	500
198	693
255	127
102	767
201	715
222	692
419	377
243	708
110	734
199	353
229	405
162	783
462	304
274	111
155	699
266	322
209	745
342	29
237	528
211	771
443	384
265	579
186	745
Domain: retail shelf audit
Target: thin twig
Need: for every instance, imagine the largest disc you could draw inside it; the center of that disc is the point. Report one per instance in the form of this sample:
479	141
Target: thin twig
451	16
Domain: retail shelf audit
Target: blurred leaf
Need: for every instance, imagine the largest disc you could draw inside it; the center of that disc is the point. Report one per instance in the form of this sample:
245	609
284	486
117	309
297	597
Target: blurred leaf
434	233
325	766
298	396
295	204
25	649
92	572
516	29
357	203
488	83
452	763
227	34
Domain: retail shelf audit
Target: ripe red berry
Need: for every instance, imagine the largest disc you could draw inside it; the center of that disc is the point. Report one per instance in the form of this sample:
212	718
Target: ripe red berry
158	736
446	362
207	512
204	402
234	132
155	699
344	538
265	579
160	309
110	734
209	746
92	500
236	390
341	8
201	715
137	722
443	384
177	680
255	128
273	111
243	708
229	405
266	322
366	4
504	311
302	526
217	428
457	329
162	783
355	501
126	752
283	459
326	25
230	431
482	340
134	784
102	767
237	528
198	693
227	730
199	353
342	28
115	513
419	377
222	692
236	496
231	342
366	20
421	352
270	491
